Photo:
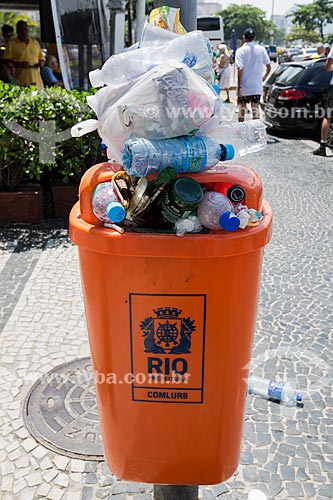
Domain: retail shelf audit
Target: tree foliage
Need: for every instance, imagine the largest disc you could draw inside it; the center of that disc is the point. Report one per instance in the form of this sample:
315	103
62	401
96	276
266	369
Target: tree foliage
303	34
313	16
11	18
240	17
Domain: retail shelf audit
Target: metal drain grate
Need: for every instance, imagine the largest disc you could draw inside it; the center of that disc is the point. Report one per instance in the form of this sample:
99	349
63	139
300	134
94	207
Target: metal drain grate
61	413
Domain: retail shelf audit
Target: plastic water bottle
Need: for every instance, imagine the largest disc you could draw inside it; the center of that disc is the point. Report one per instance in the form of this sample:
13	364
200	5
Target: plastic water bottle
217	212
142	157
279	392
190	49
246	137
106	204
154	35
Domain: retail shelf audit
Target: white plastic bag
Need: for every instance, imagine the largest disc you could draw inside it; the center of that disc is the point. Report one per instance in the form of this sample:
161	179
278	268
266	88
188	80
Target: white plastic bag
168	101
191	49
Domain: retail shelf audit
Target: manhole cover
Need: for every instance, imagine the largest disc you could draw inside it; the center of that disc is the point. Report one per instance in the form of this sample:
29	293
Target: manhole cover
61	413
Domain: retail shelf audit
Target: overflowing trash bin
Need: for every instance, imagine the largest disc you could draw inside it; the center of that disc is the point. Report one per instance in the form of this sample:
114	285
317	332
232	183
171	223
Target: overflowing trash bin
170	240
171	321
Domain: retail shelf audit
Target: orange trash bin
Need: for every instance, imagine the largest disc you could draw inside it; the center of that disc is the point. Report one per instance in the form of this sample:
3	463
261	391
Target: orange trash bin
171	322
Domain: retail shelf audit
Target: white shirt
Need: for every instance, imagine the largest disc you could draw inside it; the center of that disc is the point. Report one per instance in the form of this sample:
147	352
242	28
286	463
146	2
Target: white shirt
330	56
251	57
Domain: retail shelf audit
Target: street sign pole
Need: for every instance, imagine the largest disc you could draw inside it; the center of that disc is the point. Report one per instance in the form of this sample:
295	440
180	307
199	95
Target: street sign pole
188	11
116	30
188	18
171	492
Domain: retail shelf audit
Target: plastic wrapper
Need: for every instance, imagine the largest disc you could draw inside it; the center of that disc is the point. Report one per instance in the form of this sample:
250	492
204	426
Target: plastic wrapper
168	101
167	18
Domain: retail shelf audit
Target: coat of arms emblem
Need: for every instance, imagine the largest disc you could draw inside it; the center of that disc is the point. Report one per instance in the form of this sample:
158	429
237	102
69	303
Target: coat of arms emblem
167	333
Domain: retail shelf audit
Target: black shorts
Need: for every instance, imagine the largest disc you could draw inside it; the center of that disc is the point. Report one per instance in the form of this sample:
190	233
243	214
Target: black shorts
247	99
328	103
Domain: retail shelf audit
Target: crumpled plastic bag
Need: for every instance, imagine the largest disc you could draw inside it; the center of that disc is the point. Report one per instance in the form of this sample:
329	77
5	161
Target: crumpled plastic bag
191	49
168	101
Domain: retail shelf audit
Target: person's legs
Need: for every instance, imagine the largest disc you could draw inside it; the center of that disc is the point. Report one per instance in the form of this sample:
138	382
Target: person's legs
255	111
241	111
325	126
228	95
242	101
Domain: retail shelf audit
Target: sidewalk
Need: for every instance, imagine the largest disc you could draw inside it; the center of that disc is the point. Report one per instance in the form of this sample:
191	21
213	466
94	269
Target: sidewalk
286	453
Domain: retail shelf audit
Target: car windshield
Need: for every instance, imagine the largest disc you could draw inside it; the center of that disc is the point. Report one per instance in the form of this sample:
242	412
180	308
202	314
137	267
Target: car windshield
290	76
315	76
310	51
279	70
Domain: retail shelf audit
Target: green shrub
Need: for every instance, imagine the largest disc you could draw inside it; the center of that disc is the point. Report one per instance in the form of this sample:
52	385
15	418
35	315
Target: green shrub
35	135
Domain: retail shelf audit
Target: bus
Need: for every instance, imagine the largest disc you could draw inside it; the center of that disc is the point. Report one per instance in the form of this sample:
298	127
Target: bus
213	28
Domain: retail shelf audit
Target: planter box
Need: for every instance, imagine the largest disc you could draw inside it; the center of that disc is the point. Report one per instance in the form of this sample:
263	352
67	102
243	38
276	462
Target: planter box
23	206
64	197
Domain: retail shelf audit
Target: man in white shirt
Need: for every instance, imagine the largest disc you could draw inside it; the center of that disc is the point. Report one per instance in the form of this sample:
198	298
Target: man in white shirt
250	61
328	107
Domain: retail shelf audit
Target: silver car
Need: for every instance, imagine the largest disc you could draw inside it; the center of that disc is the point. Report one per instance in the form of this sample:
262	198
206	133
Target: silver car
305	54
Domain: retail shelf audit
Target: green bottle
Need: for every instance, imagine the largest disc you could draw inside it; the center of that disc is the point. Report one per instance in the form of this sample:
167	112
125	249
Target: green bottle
181	198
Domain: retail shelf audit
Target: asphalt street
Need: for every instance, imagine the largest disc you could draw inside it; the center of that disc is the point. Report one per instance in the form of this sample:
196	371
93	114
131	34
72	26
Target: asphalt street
287	453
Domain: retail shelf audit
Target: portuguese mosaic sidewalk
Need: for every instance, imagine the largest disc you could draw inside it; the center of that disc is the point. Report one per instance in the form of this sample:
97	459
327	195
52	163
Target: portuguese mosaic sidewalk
286	453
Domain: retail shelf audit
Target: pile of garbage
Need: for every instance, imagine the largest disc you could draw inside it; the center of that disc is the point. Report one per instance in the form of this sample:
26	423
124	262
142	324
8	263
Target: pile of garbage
158	113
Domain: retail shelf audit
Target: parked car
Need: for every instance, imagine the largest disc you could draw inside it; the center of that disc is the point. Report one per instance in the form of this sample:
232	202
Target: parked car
271	79
294	100
305	54
272	52
287	55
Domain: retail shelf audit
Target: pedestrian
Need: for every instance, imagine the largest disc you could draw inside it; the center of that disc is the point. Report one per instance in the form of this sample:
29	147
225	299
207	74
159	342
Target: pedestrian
47	73
8	73
27	56
224	70
250	60
320	52
7	33
328	108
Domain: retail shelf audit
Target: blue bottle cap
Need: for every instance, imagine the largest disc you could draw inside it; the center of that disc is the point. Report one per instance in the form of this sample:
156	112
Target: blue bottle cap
216	88
229	222
227	152
115	211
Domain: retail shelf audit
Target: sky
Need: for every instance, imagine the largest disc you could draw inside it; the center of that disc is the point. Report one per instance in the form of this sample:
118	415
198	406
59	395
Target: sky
280	6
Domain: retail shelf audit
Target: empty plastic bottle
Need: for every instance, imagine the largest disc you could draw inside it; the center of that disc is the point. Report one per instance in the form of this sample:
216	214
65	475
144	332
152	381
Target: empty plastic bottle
217	212
190	49
106	204
279	392
246	137
185	154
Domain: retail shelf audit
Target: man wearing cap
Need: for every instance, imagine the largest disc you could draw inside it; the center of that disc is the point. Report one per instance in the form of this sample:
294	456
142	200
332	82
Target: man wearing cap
250	59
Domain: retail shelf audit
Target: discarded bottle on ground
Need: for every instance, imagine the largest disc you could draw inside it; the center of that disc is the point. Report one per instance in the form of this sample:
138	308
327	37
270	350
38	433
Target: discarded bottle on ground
279	392
246	137
185	154
217	212
106	204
